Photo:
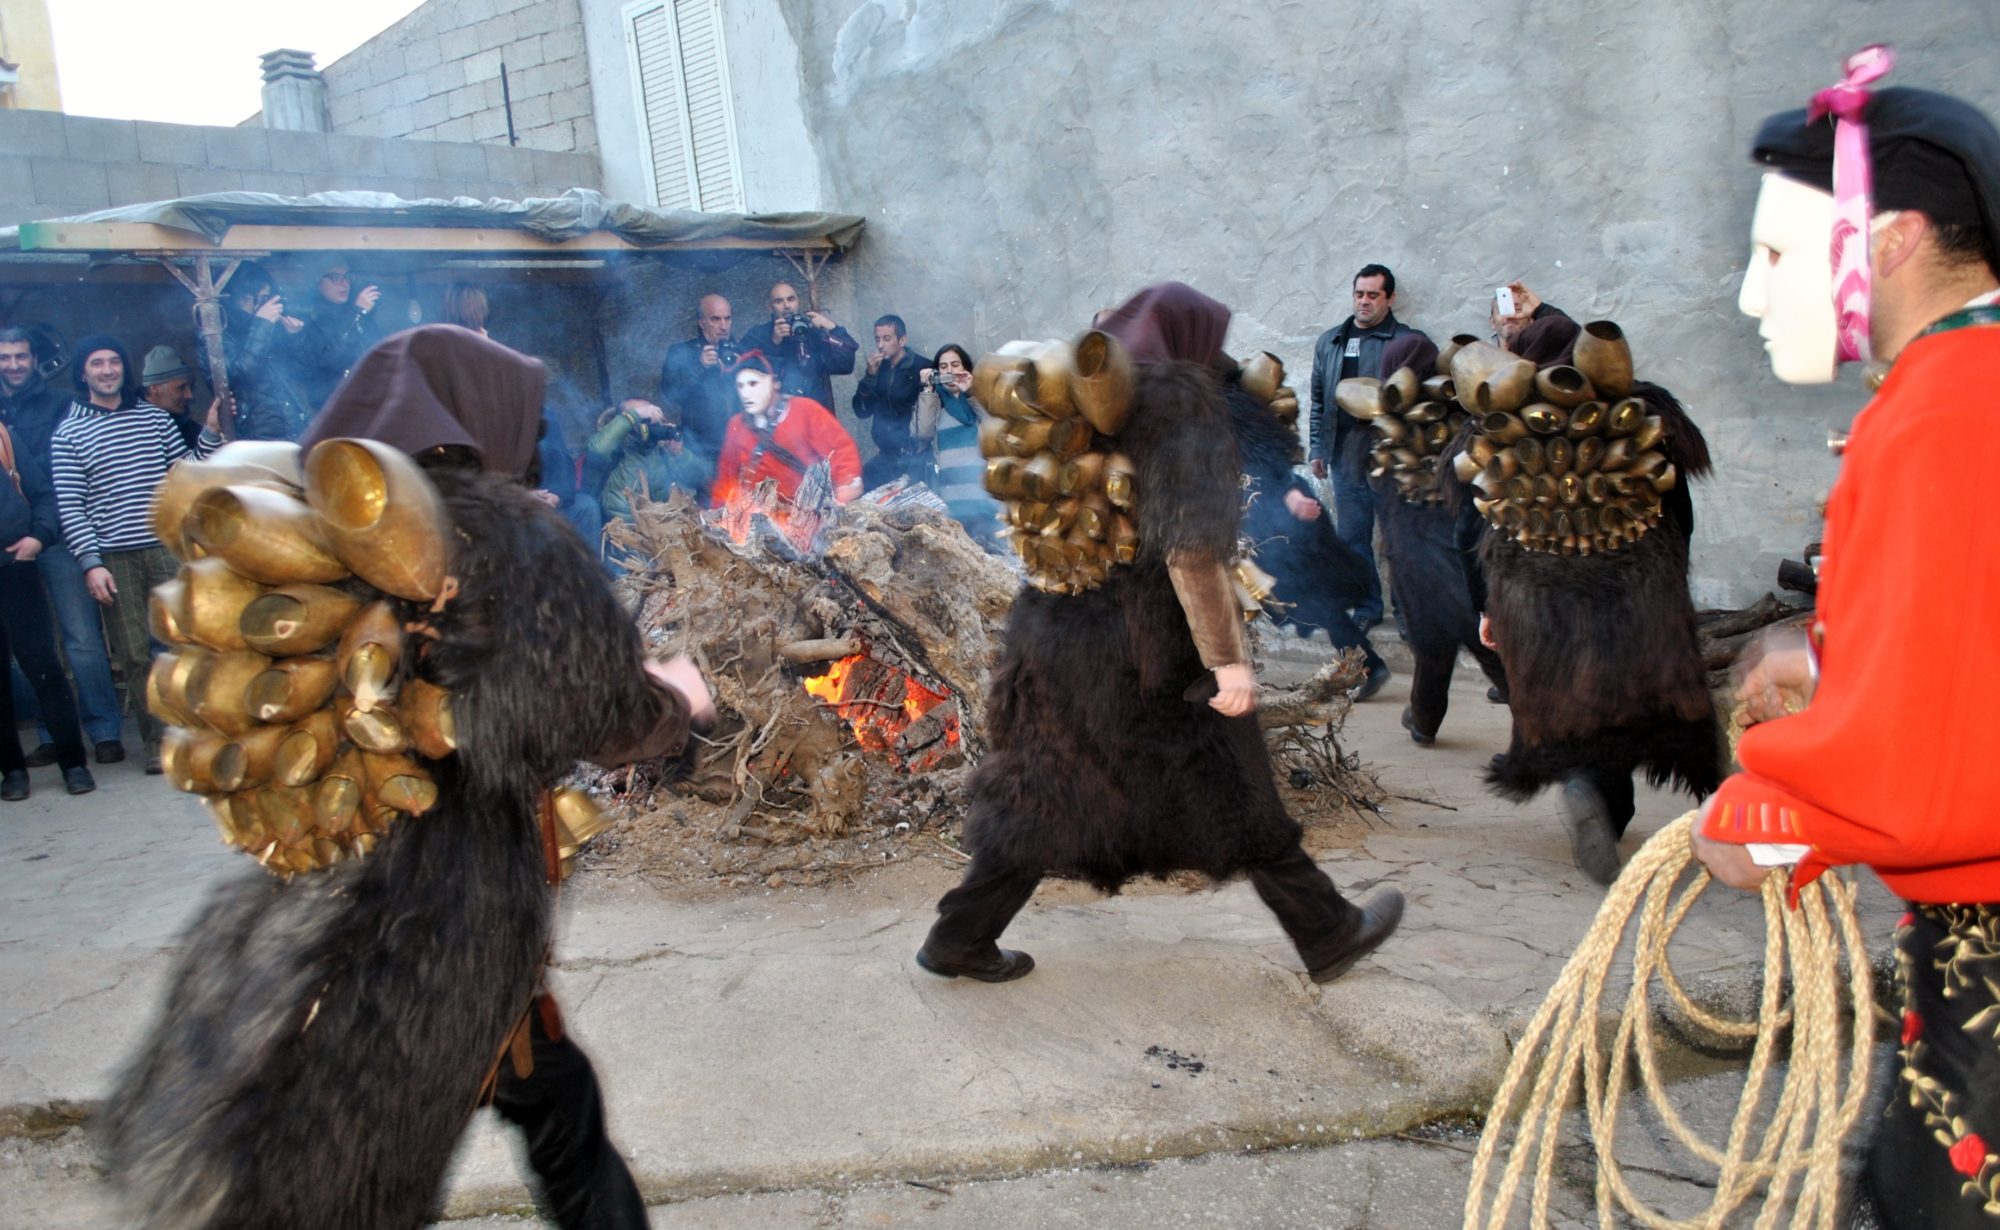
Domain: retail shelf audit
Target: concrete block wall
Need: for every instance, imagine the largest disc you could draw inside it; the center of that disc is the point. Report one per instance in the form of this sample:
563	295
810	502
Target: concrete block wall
435	76
71	164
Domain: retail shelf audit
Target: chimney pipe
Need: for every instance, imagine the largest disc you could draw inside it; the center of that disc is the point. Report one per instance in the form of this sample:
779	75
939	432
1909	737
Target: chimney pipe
294	93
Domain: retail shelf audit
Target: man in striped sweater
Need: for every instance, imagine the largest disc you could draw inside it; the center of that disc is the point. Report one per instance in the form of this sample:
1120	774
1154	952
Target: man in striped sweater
109	457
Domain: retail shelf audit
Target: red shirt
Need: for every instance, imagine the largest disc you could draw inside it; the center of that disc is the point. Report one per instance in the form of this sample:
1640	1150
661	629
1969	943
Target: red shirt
808	432
1896	762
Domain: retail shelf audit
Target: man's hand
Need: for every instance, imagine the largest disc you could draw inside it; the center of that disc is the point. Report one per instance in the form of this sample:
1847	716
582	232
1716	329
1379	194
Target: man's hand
25	551
1301	505
874	362
683	676
292	324
1236	690
1526	302
1727	861
709	357
650	413
365	301
547	497
271	309
98	581
1778	679
1319	467
820	320
847	491
1486	633
781	328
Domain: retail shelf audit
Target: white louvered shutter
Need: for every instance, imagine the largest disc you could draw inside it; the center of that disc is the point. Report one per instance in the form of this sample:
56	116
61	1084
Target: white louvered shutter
682	80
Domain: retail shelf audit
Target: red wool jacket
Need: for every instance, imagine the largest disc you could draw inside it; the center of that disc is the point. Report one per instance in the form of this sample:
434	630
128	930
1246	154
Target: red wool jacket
1896	762
808	432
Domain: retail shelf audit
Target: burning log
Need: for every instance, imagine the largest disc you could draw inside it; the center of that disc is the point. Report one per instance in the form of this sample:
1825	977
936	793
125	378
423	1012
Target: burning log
803	652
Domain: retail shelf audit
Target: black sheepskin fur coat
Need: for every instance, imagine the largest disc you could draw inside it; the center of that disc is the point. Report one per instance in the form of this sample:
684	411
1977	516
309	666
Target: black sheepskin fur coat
1320	578
1603	666
323	1041
1100	769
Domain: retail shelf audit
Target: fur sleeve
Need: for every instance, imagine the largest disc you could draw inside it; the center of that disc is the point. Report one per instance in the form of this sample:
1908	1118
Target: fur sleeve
1189	476
544	666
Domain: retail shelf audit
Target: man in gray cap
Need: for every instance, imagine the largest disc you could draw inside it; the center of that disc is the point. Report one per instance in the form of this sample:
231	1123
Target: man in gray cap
1875	742
168	380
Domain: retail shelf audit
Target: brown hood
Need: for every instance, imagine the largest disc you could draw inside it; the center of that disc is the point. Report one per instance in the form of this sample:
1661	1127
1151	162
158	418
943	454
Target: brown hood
436	386
1169	321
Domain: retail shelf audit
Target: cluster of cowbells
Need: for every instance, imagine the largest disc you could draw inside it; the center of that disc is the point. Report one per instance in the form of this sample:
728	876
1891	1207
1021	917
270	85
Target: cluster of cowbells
1562	459
1413	421
1050	446
290	711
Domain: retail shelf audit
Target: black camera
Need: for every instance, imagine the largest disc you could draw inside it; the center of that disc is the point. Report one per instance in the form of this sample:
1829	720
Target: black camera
799	323
726	352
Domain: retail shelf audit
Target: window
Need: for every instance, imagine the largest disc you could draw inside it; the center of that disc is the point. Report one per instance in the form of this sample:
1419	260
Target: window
681	77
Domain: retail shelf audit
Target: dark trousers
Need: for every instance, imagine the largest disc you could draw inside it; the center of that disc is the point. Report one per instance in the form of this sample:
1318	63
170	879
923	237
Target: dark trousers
126	624
1354	521
1430	682
1932	1163
27	637
972	916
559	1108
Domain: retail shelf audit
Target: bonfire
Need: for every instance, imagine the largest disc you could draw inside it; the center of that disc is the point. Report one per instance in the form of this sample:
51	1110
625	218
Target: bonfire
850	652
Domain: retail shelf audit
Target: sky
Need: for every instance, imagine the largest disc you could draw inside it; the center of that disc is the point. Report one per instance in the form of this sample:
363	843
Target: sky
195	61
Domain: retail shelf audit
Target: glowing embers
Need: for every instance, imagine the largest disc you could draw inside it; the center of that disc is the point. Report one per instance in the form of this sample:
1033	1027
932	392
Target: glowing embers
890	713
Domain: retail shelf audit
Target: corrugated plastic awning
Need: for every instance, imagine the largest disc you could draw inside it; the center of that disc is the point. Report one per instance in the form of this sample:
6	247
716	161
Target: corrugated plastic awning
579	222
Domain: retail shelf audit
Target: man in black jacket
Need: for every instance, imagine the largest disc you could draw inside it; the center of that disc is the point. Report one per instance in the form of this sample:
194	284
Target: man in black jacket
1340	442
31	410
807	348
888	395
695	379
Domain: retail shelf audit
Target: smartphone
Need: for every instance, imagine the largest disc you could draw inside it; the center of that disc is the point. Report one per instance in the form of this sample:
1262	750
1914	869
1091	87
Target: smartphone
1503	299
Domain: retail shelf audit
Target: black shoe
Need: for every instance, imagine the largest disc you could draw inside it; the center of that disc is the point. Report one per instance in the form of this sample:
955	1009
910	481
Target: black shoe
1006	967
42	757
1378	675
1588	819
111	751
1417	737
153	766
1381	914
14	785
78	780
1496	696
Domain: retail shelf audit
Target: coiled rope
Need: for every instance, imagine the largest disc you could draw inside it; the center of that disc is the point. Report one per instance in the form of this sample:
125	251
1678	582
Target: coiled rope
1822	1092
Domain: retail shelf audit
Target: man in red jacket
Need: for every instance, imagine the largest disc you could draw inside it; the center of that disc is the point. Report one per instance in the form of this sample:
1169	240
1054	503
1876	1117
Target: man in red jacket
1877	739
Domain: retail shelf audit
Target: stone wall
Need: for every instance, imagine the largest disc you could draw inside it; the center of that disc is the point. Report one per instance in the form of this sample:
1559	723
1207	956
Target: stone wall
435	76
1024	162
70	164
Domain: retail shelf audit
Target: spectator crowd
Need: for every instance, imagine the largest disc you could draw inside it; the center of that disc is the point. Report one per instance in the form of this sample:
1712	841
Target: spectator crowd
732	409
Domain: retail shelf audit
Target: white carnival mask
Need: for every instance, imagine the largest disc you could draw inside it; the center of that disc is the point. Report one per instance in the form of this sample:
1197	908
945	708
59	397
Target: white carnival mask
1789	282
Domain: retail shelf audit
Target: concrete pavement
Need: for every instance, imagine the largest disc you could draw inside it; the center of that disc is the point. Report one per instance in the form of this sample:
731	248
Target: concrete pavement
783	1039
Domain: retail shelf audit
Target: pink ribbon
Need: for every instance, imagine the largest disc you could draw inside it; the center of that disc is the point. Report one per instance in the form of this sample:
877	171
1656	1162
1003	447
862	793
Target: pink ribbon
1853	194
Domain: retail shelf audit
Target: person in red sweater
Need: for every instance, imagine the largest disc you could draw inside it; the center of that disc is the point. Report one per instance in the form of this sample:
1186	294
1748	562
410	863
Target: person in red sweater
1875	739
780	436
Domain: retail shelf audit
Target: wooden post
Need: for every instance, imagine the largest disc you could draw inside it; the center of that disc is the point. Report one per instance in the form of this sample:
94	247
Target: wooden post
208	320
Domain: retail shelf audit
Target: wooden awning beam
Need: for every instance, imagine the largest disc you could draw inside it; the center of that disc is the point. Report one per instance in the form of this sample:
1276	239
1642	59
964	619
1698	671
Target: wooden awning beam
152	239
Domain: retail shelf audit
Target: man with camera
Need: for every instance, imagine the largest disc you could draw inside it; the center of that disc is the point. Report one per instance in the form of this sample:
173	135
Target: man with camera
888	395
695	378
341	326
808	349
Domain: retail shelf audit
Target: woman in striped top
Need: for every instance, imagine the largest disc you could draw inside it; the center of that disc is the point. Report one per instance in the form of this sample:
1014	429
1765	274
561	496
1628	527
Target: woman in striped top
108	457
946	410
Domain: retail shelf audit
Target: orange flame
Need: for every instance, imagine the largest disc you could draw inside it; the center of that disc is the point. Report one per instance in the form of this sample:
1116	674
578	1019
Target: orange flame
877	724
